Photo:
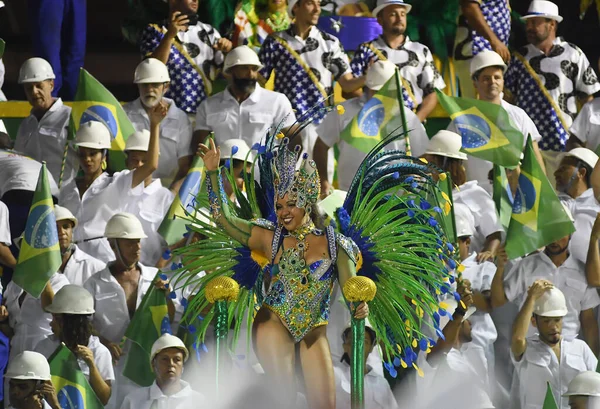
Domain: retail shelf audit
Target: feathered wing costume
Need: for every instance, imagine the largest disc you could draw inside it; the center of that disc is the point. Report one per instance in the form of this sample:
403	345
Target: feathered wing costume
392	216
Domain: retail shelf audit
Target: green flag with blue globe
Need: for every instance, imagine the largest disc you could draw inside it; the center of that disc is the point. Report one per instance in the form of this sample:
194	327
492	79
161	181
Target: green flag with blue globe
39	255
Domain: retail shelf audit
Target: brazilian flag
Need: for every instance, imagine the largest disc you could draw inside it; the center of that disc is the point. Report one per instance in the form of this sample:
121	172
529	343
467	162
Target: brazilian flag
538	217
93	102
549	402
485	128
72	389
502	196
378	118
149	322
39	256
185	203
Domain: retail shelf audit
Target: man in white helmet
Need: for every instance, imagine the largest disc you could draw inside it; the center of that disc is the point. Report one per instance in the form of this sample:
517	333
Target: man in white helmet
30	384
152	79
43	134
167	358
244	110
549	357
192	50
118	291
584	391
350	158
419	75
549	78
152	205
77	266
555	264
487	74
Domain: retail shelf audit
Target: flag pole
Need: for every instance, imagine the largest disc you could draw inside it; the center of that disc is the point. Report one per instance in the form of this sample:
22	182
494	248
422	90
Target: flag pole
64	162
400	94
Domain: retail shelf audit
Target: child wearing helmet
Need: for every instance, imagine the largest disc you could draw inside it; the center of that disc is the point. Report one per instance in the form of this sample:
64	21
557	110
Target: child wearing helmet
29	382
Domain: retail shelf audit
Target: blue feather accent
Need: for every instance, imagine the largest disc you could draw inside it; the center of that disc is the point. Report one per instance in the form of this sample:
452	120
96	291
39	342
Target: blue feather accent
246	271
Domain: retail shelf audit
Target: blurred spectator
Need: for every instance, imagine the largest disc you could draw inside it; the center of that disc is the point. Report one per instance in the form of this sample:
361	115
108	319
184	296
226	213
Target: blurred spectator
152	79
548	78
192	50
58	30
244	110
585	131
236	160
350	158
549	357
6	257
419	76
584	391
255	20
482	25
77	266
30	383
43	134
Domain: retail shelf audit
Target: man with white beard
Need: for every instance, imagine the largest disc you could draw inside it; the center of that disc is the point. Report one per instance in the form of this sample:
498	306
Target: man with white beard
152	79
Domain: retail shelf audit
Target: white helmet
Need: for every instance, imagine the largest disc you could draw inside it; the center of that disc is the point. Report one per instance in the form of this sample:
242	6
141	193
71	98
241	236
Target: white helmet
72	299
584	384
124	226
486	59
551	304
138	141
585	155
62	213
291	4
151	71
168	341
29	365
379	73
465	222
94	135
242	55
446	143
242	150
35	70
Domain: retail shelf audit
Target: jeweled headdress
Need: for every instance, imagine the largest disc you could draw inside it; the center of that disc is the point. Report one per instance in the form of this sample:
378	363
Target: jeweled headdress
302	185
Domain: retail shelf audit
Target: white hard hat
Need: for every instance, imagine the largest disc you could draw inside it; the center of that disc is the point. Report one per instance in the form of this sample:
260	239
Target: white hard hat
465	222
94	135
446	143
486	59
584	384
381	4
35	70
29	365
138	141
452	305
124	226
583	154
379	73
291	4
242	150
543	8
168	341
62	213
72	299
551	304
242	55
151	71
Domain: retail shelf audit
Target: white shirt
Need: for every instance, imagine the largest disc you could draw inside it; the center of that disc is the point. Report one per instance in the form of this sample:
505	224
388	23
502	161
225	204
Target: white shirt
81	266
106	196
478	169
378	394
584	210
29	321
4	225
102	357
569	278
18	172
250	120
45	140
586	126
112	315
539	366
483	209
151	208
175	135
153	397
350	158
